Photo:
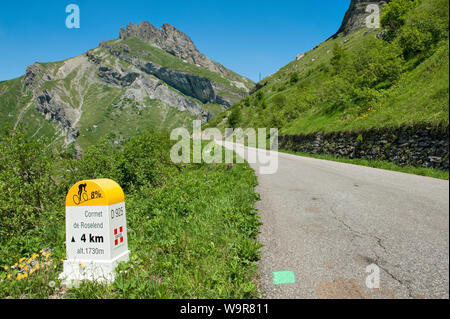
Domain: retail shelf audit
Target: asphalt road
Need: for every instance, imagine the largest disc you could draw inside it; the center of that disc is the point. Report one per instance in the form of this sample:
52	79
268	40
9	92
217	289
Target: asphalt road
326	222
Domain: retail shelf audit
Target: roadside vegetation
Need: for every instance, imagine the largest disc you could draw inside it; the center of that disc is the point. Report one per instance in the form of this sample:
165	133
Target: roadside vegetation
422	171
192	227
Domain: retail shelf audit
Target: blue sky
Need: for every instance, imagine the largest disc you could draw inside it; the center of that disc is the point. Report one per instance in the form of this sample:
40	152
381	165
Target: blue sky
248	36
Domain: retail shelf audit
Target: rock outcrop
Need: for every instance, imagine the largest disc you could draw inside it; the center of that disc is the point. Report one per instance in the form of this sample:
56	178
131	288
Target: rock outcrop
49	104
154	89
355	18
112	77
189	84
173	41
54	109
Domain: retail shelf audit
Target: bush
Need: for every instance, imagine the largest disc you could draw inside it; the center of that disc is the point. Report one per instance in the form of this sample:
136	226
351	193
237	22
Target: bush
27	189
361	74
145	161
235	117
417	26
374	64
339	55
142	161
279	100
394	16
424	29
294	78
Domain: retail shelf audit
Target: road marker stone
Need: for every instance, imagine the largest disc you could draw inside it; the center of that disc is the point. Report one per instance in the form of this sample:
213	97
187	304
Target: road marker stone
96	231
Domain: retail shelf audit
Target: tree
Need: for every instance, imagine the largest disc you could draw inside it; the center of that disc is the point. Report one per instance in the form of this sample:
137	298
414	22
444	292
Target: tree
27	189
394	16
338	58
235	117
424	29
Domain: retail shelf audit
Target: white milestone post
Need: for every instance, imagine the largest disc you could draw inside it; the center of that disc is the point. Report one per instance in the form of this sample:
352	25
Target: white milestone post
96	231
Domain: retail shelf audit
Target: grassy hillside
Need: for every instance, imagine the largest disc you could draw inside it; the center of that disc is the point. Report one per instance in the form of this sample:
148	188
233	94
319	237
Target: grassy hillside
17	109
191	228
99	104
360	81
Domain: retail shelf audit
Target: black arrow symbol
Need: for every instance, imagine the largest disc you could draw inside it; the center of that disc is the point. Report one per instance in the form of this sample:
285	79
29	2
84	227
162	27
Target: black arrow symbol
73	239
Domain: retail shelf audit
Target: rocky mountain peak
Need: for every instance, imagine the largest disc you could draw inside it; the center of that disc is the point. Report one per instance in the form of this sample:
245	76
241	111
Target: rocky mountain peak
356	15
120	80
147	32
173	41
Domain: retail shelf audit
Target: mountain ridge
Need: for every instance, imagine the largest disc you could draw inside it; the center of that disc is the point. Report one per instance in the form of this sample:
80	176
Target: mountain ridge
154	76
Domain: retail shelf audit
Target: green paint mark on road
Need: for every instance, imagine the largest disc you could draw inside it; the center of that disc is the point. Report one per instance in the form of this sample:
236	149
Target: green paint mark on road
283	277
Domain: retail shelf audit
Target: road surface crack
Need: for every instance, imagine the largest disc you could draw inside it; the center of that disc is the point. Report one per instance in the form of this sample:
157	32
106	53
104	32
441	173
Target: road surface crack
354	233
379	243
404	283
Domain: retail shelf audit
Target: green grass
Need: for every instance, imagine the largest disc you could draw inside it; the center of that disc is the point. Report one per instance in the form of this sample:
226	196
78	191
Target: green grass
422	171
214	109
52	67
102	116
191	236
12	100
12	103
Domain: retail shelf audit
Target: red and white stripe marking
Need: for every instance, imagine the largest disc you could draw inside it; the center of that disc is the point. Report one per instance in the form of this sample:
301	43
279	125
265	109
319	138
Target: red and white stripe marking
118	234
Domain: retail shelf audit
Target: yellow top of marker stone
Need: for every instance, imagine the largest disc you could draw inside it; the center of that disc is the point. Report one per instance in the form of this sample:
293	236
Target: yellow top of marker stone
98	192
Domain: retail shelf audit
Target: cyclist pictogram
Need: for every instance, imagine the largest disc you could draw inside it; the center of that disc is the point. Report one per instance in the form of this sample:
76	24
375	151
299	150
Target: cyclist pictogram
82	195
